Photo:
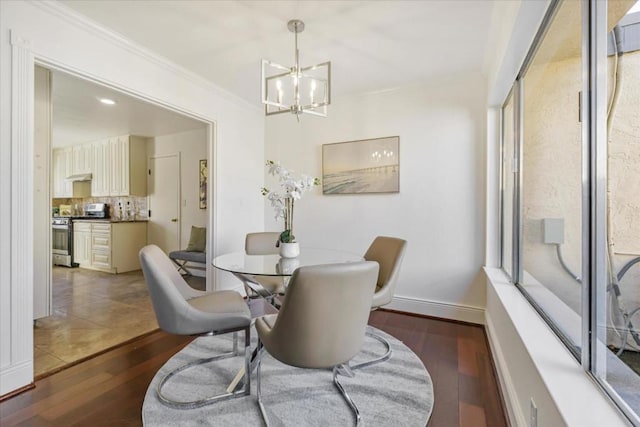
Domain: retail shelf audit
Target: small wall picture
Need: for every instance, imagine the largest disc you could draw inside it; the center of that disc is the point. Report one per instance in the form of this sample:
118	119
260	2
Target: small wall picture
365	166
203	184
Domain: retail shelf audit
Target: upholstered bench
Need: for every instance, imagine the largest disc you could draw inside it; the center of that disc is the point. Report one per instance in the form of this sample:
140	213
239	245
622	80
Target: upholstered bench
194	254
181	258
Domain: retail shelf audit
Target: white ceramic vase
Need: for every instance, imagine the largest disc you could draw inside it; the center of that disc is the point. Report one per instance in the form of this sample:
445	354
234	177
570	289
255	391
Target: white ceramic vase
289	250
287	265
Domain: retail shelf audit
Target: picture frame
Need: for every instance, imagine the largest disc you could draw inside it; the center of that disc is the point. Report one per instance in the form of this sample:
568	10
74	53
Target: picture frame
203	184
361	166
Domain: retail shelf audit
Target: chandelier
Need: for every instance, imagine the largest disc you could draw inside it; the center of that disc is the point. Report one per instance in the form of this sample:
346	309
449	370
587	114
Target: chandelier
299	90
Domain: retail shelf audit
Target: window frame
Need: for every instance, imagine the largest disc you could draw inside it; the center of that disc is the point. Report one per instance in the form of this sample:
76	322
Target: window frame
593	190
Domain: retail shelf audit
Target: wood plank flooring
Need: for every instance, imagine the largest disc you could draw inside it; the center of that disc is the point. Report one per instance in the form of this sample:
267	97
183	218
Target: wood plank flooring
108	390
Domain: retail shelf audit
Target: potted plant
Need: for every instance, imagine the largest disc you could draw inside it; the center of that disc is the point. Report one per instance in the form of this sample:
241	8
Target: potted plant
283	203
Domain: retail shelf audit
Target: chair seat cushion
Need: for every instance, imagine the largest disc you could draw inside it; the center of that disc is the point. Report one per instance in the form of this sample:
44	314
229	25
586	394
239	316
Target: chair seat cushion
229	305
200	257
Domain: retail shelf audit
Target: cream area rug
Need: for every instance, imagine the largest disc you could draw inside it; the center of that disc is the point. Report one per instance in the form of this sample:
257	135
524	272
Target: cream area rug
398	392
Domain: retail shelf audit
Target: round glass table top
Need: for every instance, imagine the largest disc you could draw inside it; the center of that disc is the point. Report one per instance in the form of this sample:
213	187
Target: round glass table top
274	265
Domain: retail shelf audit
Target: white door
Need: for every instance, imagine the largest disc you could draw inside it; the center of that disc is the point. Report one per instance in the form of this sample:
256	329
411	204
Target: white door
163	189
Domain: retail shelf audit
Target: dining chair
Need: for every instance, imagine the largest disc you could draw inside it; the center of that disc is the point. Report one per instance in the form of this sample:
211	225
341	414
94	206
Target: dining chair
182	310
262	243
388	252
322	321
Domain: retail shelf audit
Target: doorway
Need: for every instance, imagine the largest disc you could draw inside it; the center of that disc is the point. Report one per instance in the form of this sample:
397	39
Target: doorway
90	311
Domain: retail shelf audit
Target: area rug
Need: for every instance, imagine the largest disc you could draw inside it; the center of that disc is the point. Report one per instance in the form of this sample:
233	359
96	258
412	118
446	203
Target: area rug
398	392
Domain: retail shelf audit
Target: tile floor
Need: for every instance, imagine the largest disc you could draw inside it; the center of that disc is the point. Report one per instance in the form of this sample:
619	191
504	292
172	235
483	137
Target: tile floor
92	311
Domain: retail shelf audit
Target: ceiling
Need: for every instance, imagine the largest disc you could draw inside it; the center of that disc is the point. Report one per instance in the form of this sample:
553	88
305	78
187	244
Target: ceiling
79	117
373	45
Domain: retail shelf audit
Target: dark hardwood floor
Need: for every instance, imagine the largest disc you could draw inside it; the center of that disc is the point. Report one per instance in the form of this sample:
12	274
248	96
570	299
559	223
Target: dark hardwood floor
108	390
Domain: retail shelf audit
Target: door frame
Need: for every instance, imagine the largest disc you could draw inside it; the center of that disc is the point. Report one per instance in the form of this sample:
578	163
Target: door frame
179	195
24	58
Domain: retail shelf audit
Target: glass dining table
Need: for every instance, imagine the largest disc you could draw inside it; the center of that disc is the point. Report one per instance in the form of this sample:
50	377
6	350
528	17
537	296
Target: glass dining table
274	265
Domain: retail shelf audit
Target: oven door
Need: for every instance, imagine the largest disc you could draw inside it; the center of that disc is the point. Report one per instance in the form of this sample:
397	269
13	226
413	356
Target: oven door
60	240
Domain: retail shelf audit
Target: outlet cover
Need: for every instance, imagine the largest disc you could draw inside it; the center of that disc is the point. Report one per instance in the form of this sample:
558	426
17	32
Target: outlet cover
533	414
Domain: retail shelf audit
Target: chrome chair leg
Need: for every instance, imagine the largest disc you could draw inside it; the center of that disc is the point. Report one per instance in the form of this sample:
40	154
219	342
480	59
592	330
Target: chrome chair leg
346	397
341	369
212	399
377	360
263	411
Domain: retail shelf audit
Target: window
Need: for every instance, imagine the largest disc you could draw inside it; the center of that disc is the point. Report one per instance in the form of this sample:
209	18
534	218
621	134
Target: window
570	216
552	173
508	138
619	321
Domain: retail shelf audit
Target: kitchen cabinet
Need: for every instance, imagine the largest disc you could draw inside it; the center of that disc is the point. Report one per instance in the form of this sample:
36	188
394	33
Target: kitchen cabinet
82	158
120	166
62	167
101	179
109	247
82	243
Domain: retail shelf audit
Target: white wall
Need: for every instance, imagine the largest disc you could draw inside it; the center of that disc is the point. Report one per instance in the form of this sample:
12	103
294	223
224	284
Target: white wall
440	207
192	147
48	32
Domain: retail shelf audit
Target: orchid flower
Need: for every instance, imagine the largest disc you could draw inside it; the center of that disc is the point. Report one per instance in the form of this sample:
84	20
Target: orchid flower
293	190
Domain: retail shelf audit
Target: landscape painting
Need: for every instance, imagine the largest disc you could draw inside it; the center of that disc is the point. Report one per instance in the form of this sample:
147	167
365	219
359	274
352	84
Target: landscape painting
365	166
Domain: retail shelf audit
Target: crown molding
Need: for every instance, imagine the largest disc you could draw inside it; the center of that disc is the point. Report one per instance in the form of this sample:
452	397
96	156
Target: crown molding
81	21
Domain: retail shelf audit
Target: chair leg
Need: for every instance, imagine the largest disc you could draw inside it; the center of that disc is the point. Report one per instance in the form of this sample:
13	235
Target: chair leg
235	343
212	399
377	360
346	397
263	411
182	266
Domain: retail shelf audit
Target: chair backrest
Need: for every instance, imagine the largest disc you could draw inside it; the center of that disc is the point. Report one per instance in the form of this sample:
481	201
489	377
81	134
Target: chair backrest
388	252
168	290
324	314
263	243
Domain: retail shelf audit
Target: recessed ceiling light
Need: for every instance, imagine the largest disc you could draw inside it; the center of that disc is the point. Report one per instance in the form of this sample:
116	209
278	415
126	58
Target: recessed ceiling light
107	101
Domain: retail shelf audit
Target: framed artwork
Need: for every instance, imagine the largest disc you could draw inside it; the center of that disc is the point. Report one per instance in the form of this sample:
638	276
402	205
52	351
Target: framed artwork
203	184
365	166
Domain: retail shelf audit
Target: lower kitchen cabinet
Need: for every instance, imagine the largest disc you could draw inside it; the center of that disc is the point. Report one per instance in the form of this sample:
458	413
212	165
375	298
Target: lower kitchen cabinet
82	243
109	247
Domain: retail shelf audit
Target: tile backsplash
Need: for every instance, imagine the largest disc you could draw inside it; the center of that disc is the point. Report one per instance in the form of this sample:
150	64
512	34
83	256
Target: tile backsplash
138	205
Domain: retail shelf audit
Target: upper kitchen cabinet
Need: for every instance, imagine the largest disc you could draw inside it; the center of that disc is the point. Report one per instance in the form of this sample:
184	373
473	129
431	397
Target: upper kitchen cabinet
62	160
82	158
120	166
101	169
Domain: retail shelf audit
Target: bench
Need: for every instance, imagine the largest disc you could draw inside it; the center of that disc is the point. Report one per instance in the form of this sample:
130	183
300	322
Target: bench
181	258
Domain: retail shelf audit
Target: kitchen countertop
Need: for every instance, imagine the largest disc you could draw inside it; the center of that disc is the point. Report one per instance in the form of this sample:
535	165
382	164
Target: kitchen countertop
109	220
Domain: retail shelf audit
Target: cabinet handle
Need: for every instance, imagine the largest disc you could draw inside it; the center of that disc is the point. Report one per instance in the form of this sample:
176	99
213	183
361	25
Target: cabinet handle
174	219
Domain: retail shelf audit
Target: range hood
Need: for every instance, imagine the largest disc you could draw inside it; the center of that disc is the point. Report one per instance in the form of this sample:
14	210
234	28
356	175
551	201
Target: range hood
79	177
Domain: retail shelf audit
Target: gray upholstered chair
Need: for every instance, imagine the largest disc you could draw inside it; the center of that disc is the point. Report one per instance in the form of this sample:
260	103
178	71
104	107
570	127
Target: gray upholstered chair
262	243
322	320
182	310
388	253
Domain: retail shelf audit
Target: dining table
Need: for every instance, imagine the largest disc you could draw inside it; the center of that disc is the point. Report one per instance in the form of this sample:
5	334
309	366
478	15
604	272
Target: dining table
240	263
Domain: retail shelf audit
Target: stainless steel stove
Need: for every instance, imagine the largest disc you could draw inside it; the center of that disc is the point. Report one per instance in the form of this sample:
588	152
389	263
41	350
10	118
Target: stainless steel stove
62	239
62	232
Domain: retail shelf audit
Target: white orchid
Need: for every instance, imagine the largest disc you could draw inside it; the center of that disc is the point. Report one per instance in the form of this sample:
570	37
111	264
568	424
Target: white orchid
283	203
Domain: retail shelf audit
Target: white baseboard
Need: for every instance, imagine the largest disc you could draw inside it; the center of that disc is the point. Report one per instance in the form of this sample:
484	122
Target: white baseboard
514	411
458	312
15	376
